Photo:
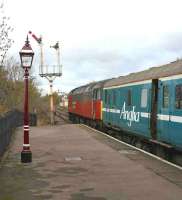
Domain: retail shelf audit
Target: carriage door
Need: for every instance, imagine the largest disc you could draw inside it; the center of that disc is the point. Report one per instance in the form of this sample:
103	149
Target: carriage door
94	103
154	102
164	112
107	106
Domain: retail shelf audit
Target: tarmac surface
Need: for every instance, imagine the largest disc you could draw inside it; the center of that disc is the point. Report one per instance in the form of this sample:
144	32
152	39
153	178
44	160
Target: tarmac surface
71	162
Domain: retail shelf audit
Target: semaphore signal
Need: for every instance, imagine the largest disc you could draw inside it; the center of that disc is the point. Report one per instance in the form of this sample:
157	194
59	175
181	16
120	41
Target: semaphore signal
39	40
47	71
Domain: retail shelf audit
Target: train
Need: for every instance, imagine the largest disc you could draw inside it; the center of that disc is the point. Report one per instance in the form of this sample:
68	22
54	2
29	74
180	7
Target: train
143	108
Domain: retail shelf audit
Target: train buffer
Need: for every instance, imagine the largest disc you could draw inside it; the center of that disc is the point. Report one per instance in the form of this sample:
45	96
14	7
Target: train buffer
73	162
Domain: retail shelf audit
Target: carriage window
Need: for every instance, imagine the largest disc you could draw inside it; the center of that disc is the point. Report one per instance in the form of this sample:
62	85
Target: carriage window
106	96
144	98
94	94
178	94
129	98
165	96
98	94
114	97
109	99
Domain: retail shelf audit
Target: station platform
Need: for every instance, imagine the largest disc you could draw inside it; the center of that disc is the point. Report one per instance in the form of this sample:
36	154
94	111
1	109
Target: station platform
73	162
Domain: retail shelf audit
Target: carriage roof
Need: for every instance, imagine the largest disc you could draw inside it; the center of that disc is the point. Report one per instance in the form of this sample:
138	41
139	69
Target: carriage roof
88	87
171	69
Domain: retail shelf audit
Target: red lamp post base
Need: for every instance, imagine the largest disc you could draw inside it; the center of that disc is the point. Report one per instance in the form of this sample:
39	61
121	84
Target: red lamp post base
26	156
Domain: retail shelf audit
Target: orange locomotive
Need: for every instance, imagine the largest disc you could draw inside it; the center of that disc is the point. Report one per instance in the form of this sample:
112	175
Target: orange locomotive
85	104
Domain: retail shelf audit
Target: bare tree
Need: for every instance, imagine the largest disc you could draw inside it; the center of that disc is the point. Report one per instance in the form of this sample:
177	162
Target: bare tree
5	30
15	72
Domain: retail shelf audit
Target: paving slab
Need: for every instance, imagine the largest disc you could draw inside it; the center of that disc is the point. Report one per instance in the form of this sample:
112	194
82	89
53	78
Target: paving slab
74	163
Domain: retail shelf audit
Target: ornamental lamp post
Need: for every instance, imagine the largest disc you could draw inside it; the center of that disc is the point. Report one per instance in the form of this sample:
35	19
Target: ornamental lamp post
26	57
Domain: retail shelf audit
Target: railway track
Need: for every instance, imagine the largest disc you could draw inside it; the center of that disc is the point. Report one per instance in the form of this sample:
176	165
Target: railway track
61	115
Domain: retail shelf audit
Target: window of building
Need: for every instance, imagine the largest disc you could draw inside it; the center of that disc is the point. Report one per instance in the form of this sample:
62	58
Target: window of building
129	98
144	98
178	99
165	96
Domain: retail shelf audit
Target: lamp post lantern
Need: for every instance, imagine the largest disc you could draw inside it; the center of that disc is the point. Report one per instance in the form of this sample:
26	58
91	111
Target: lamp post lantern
26	56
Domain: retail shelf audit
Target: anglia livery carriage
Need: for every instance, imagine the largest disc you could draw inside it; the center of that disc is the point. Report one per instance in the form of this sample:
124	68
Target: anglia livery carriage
146	104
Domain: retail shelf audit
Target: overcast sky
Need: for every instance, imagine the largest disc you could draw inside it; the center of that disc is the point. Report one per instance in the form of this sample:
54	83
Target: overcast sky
99	39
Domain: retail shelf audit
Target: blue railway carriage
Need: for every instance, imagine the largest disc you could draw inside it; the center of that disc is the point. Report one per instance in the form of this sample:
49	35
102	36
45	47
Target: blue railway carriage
147	104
